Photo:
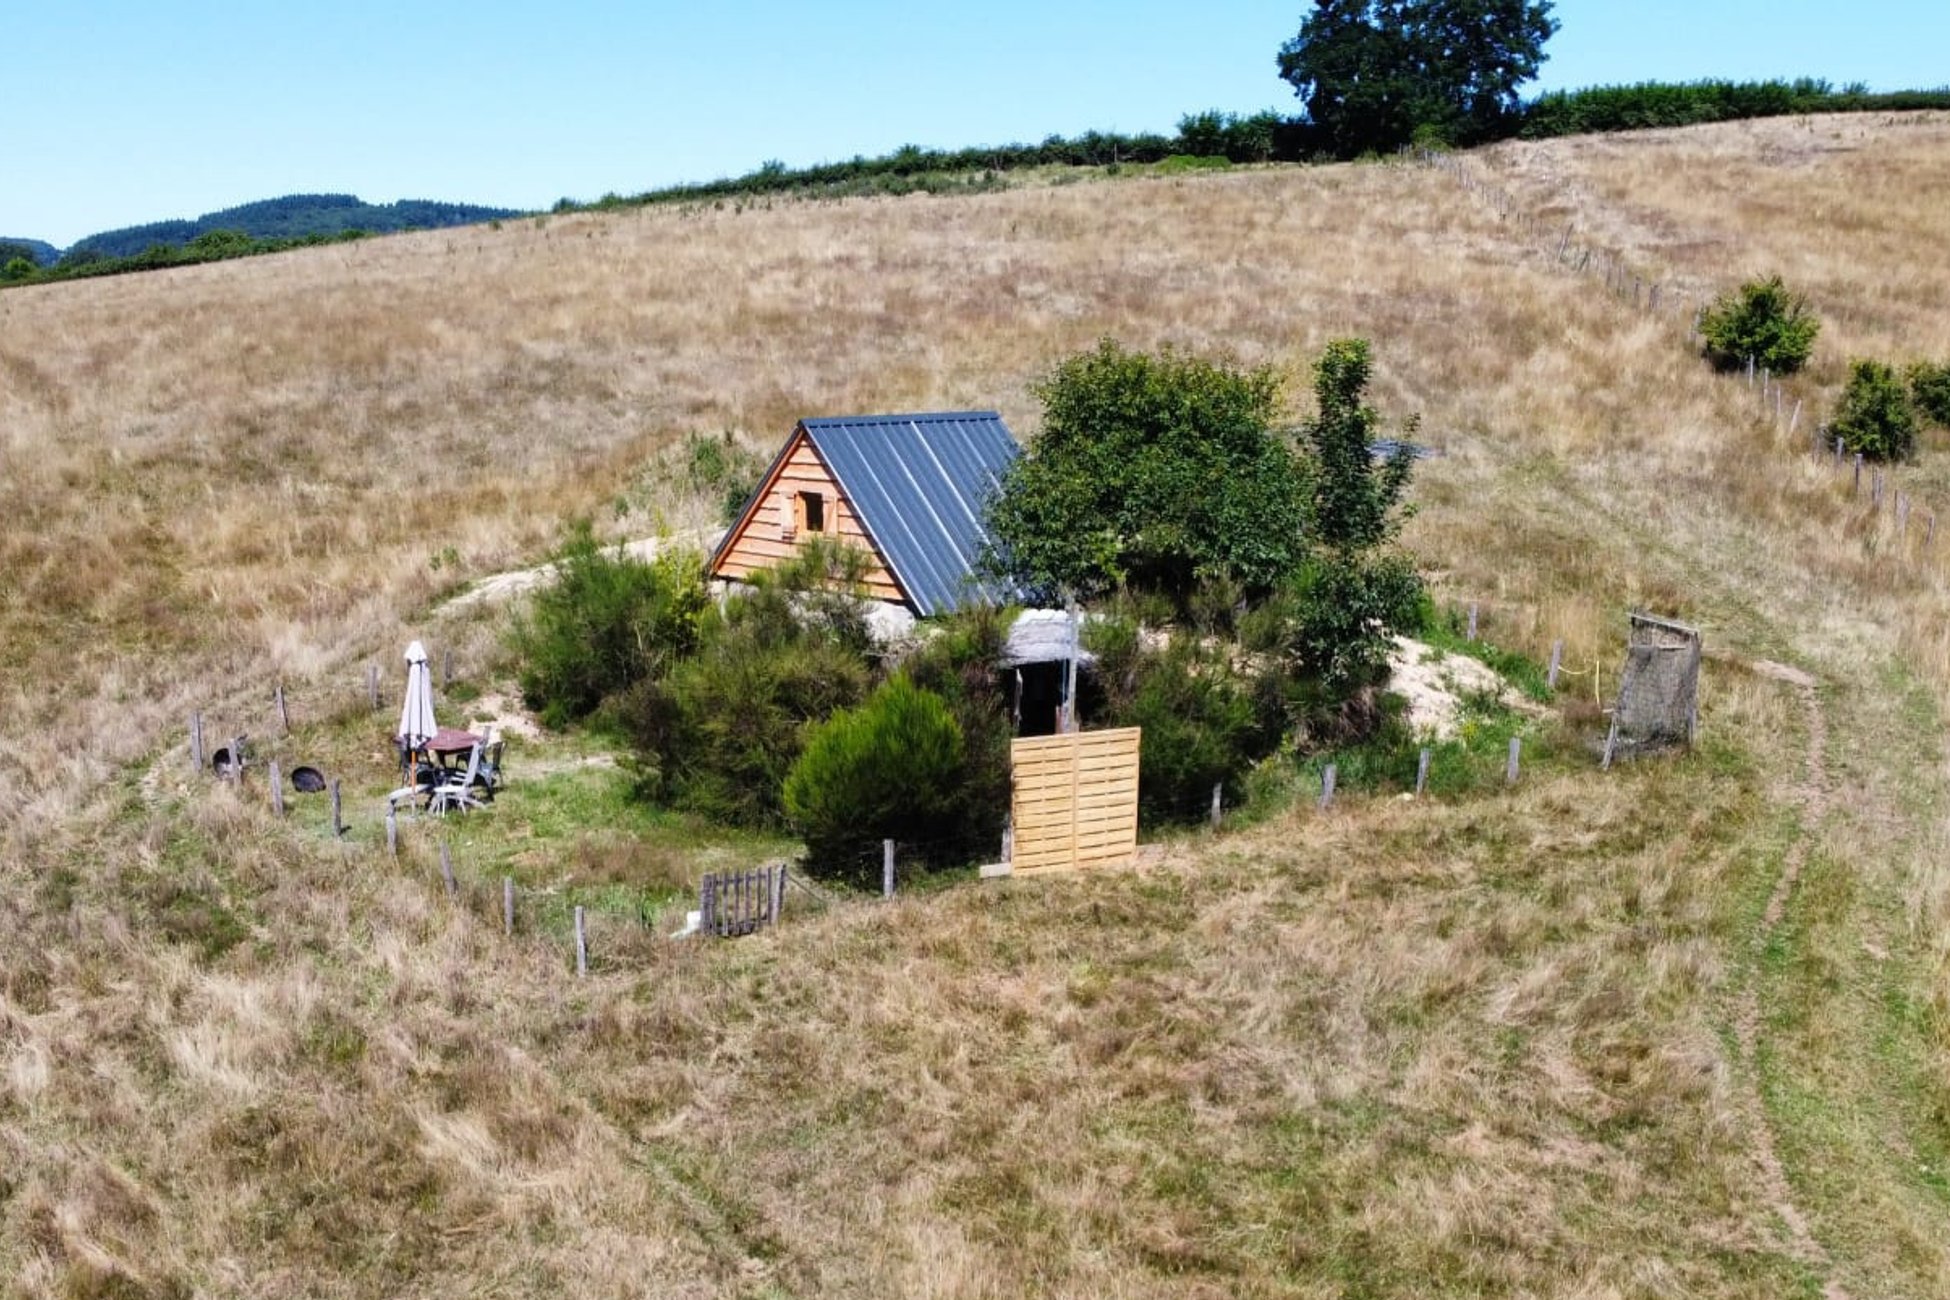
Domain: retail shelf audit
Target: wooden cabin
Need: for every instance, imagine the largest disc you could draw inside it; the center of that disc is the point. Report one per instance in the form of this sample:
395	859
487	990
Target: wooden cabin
908	489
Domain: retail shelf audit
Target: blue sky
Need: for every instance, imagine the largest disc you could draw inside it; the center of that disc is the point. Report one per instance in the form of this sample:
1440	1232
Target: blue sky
122	113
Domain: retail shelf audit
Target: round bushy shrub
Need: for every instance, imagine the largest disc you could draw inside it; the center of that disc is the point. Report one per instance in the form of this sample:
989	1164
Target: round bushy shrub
1875	417
1929	388
1763	323
885	770
607	622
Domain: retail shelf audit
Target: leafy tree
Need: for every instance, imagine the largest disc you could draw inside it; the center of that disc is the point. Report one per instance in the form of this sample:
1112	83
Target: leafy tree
1157	472
888	769
1353	494
1376	74
17	268
1763	323
1875	416
11	252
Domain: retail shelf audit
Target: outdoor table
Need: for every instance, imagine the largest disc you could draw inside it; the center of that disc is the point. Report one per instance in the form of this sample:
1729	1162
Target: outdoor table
451	747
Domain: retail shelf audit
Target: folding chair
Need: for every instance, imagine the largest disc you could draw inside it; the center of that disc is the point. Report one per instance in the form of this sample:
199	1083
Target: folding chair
457	791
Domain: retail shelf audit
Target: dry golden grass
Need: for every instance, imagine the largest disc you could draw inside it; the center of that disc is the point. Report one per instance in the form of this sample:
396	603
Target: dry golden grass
1482	1049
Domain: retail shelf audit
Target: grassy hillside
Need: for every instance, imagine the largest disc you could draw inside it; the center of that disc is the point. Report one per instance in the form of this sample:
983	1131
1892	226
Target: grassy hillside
1681	1030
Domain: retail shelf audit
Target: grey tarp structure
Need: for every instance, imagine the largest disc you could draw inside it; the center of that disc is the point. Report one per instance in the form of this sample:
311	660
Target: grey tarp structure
919	485
1658	693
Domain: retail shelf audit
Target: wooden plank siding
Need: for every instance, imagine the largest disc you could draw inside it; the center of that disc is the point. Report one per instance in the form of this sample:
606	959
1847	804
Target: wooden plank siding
770	530
1074	800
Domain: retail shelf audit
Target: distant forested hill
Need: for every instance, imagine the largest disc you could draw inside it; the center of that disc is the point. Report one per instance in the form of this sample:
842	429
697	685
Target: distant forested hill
44	253
294	216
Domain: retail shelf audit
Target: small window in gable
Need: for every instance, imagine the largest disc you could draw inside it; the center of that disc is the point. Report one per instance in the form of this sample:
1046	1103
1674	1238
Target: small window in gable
812	512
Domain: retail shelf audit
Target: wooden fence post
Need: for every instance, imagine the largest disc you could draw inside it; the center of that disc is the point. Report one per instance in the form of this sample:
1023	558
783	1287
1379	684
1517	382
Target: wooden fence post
778	892
277	789
1218	803
582	945
507	905
1514	763
196	741
1472	620
447	870
372	686
392	831
1857	489
886	868
446	667
1421	773
284	714
338	820
1327	779
236	773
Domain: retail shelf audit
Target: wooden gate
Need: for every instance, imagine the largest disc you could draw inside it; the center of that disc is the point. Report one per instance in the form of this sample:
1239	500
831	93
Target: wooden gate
742	902
1075	800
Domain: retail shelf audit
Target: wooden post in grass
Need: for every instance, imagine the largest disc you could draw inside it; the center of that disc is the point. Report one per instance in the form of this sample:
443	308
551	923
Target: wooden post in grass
1218	803
1838	453
886	868
372	686
1902	516
582	944
277	789
196	741
1875	490
1421	773
1472	620
392	831
447	870
1557	662
236	772
1327	779
284	714
446	668
1514	764
338	820
1857	489
508	905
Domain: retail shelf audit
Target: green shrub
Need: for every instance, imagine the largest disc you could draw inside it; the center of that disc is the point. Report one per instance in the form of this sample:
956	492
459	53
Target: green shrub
717	732
608	621
1333	624
1875	417
888	769
1200	725
961	664
1763	324
1929	390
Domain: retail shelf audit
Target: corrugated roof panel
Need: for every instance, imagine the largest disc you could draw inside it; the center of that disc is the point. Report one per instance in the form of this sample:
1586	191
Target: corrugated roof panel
920	483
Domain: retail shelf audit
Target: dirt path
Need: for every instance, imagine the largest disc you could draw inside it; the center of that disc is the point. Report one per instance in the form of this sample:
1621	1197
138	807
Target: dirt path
1812	796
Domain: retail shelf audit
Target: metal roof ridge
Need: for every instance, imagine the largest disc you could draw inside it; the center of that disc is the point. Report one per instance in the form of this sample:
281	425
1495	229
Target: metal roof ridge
912	417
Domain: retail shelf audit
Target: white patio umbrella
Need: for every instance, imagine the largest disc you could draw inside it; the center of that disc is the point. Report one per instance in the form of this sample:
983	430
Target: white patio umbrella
416	724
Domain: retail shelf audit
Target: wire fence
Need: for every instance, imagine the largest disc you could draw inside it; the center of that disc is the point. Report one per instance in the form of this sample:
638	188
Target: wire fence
1891	523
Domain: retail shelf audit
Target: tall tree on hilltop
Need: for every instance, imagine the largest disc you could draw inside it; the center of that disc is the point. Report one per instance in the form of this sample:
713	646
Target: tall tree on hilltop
1376	74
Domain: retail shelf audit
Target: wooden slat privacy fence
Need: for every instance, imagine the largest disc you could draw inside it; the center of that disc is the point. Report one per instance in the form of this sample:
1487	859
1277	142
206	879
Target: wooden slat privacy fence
1074	800
740	902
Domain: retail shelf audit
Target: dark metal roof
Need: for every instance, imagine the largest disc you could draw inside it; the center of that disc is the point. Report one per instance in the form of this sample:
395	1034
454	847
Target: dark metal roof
919	484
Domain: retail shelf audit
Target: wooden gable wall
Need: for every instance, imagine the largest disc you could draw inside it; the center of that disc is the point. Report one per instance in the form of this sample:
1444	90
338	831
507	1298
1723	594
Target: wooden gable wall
772	529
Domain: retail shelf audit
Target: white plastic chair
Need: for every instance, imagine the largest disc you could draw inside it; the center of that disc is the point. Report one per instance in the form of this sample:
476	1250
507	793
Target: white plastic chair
457	791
